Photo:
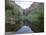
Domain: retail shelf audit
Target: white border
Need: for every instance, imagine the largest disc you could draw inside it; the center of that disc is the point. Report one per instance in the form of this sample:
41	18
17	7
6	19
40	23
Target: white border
2	17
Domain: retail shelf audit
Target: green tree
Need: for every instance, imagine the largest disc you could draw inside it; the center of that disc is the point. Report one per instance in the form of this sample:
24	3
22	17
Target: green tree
37	18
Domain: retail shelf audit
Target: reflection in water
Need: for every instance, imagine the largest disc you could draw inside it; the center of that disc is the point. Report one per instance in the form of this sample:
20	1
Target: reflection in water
25	29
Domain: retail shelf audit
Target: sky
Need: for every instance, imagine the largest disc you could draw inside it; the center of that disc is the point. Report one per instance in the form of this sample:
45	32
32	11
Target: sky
26	3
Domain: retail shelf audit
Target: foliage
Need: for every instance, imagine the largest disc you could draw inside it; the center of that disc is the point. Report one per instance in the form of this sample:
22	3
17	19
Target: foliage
37	18
12	11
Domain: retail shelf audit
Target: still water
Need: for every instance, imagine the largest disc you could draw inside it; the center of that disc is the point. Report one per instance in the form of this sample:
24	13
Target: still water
24	29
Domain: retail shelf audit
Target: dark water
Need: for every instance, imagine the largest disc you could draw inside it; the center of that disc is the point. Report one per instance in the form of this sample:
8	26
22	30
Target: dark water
24	29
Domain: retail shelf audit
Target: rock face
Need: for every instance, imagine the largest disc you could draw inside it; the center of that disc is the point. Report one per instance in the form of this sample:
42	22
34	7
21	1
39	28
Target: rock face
16	17
31	8
12	16
35	14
